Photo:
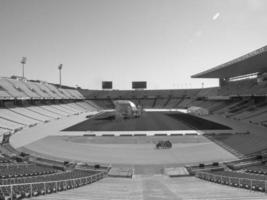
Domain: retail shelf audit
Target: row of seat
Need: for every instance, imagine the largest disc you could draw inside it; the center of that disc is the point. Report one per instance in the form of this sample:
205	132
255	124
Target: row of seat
236	179
23	89
23	170
15	118
245	110
59	175
260	169
3	160
245	87
64	181
20	178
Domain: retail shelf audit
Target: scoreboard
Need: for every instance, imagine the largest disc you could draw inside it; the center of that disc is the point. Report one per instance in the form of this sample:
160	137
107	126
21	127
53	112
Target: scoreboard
107	85
139	85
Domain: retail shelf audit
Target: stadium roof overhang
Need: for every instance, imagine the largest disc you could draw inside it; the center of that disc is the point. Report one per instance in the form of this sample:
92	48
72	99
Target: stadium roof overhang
252	62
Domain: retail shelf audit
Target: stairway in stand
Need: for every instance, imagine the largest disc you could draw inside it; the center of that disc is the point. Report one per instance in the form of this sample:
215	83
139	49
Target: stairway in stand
148	187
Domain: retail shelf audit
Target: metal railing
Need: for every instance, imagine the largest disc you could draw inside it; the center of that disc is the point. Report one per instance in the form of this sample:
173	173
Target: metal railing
49	186
246	183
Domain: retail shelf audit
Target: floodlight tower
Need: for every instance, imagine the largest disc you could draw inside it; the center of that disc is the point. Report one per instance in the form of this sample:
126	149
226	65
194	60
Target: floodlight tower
23	62
60	68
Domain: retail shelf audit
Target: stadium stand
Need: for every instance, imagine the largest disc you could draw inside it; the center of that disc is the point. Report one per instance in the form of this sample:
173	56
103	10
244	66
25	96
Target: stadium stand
29	114
4	94
258	169
6	124
20	85
236	179
154	187
159	102
23	89
11	116
43	111
48	183
12	90
24	176
53	110
55	91
22	106
67	108
171	102
76	93
86	106
59	109
23	170
76	107
35	87
50	93
25	103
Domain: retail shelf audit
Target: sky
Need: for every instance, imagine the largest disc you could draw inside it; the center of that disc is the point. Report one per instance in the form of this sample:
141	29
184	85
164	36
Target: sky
162	42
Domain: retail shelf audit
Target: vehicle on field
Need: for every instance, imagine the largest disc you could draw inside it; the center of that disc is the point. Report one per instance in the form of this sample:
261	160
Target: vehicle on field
163	144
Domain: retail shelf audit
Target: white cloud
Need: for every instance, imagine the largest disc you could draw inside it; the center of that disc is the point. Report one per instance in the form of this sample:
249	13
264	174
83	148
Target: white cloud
216	16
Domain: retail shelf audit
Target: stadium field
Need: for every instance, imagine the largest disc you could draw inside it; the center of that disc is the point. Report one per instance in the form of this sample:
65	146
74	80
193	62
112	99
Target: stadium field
136	152
149	121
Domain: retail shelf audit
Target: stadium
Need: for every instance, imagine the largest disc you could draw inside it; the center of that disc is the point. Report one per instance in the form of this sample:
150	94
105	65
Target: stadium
56	138
59	141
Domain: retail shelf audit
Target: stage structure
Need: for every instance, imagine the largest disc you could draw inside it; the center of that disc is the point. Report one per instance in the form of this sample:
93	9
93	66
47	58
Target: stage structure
126	109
